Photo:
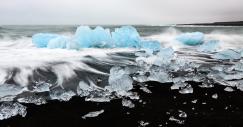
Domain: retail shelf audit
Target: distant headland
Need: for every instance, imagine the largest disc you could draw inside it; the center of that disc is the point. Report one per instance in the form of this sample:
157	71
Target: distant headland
234	23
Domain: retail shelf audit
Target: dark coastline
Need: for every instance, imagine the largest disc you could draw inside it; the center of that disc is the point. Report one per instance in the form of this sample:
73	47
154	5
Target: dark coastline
236	23
161	104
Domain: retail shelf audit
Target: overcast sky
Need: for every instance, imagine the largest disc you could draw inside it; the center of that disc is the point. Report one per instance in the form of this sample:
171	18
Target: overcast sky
153	12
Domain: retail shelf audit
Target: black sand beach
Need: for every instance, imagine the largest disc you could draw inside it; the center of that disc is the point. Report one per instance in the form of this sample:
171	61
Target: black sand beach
163	107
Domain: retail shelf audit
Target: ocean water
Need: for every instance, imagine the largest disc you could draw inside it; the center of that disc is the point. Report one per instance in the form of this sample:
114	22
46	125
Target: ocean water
97	73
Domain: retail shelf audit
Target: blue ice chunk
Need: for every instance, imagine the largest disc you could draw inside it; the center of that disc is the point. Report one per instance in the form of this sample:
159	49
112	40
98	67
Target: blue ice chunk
41	39
192	39
85	37
228	54
150	45
209	46
58	42
126	36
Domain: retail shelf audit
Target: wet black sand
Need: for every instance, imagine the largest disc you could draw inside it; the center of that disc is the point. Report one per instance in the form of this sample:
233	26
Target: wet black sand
161	104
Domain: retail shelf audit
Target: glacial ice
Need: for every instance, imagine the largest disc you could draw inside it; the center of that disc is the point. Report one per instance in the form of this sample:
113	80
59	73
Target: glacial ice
164	56
150	46
58	42
192	39
215	96
86	37
33	100
127	103
99	37
41	40
119	80
9	109
228	54
126	36
61	95
41	87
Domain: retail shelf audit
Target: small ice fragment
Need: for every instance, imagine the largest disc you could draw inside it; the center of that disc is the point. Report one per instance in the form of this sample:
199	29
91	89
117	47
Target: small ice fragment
215	96
42	87
32	99
145	89
194	101
192	39
127	103
228	54
143	124
186	90
61	95
93	114
209	46
172	118
182	114
165	55
178	85
9	109
119	80
240	87
41	40
98	99
207	84
229	89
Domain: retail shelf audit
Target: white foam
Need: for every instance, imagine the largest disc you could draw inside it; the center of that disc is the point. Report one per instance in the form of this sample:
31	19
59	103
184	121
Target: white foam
61	62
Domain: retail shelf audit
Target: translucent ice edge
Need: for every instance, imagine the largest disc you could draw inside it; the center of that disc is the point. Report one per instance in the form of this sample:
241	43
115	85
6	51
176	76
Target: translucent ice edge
85	37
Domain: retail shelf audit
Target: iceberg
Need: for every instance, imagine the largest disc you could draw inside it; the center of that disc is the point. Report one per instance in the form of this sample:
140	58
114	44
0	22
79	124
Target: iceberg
192	39
86	37
41	40
228	54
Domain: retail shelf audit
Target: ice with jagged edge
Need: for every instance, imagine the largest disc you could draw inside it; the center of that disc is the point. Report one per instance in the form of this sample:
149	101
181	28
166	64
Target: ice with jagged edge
99	37
9	109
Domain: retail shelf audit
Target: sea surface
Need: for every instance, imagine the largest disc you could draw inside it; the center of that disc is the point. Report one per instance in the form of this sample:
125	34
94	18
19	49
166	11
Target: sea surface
190	78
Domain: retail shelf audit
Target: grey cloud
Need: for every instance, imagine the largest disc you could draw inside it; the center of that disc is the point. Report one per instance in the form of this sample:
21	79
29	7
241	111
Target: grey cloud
119	11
